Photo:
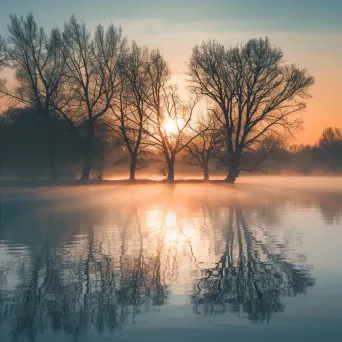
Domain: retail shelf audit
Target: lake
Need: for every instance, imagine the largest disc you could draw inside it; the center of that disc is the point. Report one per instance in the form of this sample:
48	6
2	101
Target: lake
257	261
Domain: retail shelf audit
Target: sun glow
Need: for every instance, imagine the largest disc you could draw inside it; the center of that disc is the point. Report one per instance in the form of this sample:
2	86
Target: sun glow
170	126
165	224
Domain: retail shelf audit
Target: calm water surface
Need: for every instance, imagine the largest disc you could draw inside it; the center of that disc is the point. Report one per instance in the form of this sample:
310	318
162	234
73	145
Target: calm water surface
172	263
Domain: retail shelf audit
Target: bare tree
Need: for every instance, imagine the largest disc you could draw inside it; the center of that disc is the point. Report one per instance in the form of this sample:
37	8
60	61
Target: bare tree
207	145
257	93
168	117
39	64
130	108
93	80
168	126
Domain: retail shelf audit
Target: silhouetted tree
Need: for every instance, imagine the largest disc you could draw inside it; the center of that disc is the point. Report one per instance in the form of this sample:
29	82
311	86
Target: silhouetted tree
93	78
169	118
256	92
130	109
39	63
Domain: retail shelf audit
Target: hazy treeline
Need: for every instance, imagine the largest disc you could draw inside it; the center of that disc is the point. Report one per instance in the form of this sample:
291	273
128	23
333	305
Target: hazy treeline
79	96
23	152
324	156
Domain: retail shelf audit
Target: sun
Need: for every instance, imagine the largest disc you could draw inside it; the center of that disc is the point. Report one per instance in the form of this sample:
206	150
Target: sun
170	126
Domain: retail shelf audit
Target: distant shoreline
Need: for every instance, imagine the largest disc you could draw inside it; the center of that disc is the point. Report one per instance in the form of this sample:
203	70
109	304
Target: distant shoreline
43	183
93	182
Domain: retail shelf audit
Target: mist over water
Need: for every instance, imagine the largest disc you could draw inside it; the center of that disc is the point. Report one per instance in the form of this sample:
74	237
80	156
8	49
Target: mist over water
257	261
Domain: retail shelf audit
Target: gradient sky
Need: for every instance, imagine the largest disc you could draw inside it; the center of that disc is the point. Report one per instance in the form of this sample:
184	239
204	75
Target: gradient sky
309	32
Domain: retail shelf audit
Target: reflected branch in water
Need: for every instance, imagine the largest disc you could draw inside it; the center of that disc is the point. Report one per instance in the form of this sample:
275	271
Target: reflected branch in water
248	279
74	289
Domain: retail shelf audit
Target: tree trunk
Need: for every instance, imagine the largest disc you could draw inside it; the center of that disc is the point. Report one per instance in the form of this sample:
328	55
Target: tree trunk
51	152
233	171
206	173
171	170
133	167
52	159
88	152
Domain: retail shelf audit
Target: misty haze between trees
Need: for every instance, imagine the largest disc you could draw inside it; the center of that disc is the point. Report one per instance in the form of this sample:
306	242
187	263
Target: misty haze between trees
81	98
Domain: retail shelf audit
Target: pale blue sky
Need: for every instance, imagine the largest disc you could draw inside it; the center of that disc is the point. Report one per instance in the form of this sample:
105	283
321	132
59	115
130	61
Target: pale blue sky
305	15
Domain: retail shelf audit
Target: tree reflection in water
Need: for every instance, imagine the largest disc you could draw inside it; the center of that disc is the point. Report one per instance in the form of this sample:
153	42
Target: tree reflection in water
249	279
76	287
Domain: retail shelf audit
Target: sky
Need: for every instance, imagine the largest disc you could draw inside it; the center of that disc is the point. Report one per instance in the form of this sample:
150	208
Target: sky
308	31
